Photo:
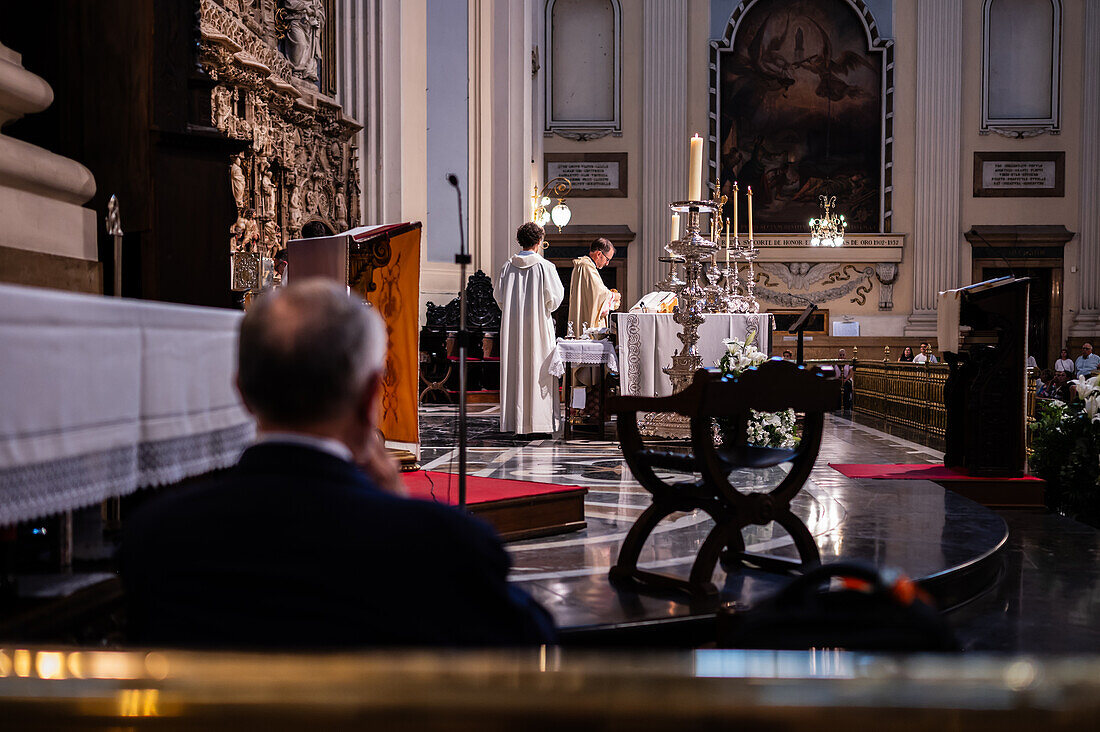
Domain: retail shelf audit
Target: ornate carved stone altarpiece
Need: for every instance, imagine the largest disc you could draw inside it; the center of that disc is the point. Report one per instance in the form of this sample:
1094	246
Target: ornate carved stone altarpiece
300	166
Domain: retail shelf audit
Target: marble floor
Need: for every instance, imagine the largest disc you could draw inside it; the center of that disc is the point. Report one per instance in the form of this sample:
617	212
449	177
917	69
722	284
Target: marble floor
1046	598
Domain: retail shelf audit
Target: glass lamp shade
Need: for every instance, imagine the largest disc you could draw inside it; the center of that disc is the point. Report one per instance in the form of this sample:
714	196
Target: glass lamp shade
561	215
544	201
815	242
542	217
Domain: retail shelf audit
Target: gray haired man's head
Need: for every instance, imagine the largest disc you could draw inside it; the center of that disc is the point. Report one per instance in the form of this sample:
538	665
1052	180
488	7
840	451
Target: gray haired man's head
306	352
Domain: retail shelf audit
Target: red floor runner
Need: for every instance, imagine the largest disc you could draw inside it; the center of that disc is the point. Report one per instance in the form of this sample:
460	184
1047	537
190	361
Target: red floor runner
920	471
478	490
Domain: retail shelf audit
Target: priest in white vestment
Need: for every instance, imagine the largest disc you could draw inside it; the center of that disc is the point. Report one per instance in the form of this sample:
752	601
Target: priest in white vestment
590	300
528	290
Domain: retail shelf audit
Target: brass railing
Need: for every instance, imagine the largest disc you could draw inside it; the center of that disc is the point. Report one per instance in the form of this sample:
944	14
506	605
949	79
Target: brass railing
906	394
910	395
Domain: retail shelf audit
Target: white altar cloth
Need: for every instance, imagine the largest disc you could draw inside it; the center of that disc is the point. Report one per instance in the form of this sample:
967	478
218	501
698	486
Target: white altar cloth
102	396
647	342
578	352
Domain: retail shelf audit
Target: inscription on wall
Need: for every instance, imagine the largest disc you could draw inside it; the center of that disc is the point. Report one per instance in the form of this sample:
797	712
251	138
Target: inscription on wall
1023	174
592	175
1030	174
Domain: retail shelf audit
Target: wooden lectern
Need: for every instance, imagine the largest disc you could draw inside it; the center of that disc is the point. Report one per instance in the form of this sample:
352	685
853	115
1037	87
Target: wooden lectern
983	336
381	263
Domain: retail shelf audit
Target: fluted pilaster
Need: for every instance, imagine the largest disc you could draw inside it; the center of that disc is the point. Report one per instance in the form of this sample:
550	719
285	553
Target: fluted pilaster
664	127
1087	320
936	226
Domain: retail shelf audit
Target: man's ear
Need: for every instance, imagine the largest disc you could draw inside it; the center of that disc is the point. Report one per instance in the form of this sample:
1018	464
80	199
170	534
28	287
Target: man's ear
240	393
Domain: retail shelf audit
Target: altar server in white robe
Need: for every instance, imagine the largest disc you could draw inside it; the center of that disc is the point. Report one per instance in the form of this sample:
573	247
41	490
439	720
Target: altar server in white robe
528	290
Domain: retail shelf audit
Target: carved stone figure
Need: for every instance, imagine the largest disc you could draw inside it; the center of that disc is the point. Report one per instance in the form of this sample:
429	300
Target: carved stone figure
353	196
340	208
236	180
295	207
269	194
305	23
313	200
222	109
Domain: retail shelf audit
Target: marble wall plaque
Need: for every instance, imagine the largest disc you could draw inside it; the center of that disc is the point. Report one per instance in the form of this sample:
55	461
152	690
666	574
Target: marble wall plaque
593	175
1024	174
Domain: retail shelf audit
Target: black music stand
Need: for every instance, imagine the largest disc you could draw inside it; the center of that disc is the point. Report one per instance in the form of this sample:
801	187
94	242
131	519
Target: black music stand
799	328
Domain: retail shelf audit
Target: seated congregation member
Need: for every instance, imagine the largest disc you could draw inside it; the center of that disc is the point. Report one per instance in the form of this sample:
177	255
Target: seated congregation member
1087	363
1064	362
307	542
925	355
906	355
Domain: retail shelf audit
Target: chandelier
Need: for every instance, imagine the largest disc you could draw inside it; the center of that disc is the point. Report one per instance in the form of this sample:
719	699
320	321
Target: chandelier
828	231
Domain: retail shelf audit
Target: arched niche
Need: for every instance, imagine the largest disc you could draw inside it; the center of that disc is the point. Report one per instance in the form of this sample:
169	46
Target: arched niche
583	68
1021	67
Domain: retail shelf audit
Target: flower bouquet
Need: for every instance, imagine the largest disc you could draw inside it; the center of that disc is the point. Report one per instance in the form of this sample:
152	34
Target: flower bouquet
765	429
1065	451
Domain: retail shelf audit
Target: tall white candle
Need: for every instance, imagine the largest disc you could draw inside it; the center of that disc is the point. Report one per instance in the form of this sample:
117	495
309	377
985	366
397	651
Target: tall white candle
727	243
675	235
695	169
735	209
749	195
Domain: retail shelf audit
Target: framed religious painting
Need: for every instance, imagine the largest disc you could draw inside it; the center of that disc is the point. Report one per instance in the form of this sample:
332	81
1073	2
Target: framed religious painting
802	106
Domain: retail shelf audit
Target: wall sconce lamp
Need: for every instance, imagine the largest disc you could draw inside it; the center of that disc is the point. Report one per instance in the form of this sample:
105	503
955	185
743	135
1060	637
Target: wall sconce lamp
560	214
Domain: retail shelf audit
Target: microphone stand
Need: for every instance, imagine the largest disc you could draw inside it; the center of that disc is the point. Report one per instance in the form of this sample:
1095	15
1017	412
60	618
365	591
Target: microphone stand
461	259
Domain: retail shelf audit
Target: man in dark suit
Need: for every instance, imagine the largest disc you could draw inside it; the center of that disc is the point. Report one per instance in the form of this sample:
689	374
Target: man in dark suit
308	542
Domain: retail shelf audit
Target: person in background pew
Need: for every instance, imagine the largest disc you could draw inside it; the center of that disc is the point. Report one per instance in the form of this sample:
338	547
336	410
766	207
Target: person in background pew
846	374
906	355
1087	363
925	355
1064	362
308	541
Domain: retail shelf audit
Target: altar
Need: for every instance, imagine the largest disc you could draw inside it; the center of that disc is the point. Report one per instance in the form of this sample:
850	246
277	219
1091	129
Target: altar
647	342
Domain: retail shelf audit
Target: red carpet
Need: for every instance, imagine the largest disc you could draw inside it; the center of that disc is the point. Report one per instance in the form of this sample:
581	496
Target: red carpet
913	472
478	490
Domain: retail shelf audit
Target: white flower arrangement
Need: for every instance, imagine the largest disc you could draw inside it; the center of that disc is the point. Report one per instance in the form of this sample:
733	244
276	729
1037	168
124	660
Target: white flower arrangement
767	429
1088	391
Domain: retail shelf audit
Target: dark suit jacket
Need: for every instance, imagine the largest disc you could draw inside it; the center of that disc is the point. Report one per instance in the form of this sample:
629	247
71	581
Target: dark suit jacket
296	548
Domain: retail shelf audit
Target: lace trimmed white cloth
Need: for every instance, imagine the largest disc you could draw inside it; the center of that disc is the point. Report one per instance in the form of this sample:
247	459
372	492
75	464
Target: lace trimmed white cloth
647	342
578	352
101	396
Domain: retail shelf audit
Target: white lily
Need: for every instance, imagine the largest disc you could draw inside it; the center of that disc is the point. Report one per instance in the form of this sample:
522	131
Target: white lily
1092	407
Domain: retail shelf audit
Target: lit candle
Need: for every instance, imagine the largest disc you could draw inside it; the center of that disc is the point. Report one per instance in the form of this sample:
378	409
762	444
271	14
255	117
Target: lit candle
748	194
675	235
695	169
735	209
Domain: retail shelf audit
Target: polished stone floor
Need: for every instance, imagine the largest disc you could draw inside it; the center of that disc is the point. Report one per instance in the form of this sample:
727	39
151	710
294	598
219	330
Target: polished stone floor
1047	599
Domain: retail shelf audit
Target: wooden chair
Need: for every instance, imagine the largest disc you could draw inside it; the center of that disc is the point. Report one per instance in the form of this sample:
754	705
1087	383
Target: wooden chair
774	386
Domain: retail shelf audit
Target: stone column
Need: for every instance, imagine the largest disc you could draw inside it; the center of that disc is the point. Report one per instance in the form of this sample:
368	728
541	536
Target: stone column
41	194
664	128
1087	321
936	225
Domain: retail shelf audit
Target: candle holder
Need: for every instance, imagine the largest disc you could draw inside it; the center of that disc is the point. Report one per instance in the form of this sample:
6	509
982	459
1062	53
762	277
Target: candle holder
672	278
691	297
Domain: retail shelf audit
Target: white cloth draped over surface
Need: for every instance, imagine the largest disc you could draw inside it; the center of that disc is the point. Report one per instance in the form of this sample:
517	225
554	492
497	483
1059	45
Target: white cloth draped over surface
579	352
528	290
102	396
647	342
